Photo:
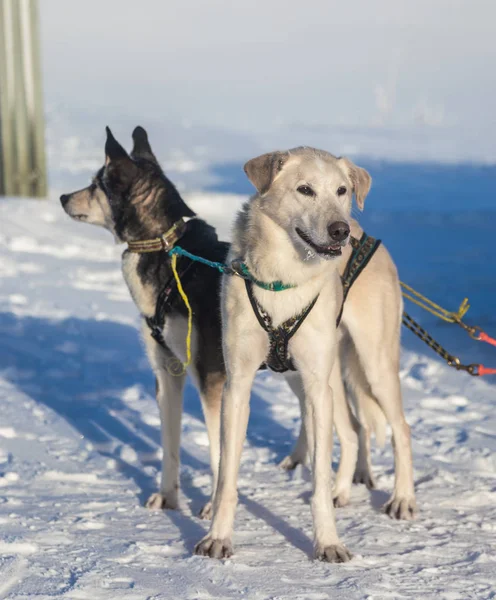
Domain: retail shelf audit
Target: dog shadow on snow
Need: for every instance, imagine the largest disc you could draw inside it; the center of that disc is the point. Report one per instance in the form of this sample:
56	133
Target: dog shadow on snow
81	369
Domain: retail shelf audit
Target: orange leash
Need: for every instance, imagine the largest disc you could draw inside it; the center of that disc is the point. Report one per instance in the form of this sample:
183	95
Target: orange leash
483	337
482	370
475	332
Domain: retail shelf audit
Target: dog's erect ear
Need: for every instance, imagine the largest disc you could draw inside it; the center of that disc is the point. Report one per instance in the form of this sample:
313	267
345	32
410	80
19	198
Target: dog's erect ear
360	180
141	145
113	150
120	168
262	171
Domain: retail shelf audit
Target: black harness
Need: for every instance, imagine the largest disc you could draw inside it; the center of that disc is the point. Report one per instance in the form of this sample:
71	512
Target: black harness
363	250
164	302
278	358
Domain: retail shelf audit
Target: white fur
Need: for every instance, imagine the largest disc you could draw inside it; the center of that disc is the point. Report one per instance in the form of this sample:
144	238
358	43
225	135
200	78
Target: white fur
142	294
273	251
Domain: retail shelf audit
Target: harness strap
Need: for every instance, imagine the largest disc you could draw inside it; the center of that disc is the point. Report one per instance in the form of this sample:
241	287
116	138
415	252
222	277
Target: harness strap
278	359
363	250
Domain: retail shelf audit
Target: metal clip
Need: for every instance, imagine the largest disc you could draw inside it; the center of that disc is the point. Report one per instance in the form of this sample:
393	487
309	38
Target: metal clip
165	242
236	268
475	332
454	361
473	369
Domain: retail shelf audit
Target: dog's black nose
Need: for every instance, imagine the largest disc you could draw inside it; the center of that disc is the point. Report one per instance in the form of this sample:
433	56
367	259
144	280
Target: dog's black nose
64	199
339	231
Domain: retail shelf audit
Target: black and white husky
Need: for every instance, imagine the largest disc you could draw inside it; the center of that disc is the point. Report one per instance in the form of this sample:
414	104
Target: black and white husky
132	198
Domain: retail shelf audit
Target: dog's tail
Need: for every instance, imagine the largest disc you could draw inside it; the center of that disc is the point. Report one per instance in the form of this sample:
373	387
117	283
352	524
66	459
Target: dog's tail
367	408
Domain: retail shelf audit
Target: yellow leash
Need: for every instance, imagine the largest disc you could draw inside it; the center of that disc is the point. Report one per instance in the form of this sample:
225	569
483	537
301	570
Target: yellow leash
182	293
433	308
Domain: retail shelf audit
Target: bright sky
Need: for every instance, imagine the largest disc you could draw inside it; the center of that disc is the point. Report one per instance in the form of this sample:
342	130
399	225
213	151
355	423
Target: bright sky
258	65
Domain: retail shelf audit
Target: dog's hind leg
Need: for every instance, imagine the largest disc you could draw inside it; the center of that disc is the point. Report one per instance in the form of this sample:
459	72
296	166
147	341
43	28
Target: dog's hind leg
347	428
363	471
211	399
380	362
370	415
299	453
402	503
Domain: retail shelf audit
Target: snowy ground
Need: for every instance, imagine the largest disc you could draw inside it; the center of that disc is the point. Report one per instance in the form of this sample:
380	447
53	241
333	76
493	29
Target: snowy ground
79	452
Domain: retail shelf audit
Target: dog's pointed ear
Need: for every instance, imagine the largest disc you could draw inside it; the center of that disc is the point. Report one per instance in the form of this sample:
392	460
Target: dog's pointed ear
360	180
262	171
141	146
113	150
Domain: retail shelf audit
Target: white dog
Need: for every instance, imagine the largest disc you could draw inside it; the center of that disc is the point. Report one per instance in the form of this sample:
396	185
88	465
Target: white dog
290	232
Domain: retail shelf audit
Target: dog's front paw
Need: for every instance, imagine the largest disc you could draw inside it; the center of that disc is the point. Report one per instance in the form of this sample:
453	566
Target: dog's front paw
207	511
401	507
214	548
160	501
337	553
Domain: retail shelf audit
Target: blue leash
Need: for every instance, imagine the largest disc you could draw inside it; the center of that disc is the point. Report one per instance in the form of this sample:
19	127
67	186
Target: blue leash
236	268
177	250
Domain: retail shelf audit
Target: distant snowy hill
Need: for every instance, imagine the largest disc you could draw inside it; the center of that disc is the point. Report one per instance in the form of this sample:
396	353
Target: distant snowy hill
408	171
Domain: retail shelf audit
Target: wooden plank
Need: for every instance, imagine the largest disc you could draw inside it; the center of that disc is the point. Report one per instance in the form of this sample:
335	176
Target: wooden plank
22	128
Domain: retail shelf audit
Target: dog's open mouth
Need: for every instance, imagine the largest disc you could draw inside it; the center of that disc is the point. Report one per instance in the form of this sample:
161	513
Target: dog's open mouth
330	250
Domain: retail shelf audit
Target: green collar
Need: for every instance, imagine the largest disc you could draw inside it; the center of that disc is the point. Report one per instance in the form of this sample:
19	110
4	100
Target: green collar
273	286
237	267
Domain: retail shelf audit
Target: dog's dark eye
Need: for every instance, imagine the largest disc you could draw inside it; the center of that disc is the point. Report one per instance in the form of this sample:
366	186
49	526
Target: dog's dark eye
92	188
341	190
306	190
